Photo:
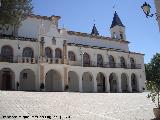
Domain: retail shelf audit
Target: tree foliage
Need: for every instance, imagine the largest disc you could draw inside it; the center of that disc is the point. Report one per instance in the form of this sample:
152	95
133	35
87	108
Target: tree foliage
153	78
14	11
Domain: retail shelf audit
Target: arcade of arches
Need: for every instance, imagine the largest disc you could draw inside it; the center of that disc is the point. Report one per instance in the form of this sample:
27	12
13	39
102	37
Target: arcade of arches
54	82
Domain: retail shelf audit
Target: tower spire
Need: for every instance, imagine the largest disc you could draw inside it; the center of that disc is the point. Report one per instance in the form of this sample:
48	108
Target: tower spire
116	21
94	30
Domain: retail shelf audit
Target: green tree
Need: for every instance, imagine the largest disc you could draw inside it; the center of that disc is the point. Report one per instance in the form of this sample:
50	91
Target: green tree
12	12
153	79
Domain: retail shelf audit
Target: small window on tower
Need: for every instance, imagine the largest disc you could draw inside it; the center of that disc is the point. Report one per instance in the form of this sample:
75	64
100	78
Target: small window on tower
53	41
114	35
121	35
24	75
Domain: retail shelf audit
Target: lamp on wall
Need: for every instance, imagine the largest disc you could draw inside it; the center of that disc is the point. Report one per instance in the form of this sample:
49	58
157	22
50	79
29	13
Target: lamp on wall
147	9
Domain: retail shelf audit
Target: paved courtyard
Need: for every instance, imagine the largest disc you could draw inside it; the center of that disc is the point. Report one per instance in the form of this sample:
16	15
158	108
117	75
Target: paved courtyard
74	106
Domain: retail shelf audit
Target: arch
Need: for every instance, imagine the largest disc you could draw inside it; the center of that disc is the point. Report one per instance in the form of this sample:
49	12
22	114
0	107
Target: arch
134	82
58	53
48	52
87	82
113	82
111	61
100	82
132	61
71	56
53	81
122	62
7	79
28	52
99	60
124	82
7	54
73	81
27	80
86	60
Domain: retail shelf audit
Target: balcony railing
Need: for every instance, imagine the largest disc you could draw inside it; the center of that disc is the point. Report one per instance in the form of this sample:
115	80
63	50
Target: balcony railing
20	59
105	65
51	60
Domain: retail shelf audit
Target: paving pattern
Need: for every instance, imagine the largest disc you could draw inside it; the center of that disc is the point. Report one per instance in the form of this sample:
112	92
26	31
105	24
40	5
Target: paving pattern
74	106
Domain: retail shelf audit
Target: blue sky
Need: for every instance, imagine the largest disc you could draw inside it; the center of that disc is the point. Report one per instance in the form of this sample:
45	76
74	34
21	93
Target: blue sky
79	15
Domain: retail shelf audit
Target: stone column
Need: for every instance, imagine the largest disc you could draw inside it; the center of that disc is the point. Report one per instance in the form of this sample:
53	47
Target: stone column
94	83
107	84
80	82
65	79
119	83
65	52
42	78
129	84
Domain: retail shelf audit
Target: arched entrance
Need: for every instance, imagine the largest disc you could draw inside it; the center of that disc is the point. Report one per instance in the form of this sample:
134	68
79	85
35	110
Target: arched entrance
113	82
27	80
7	81
73	81
87	82
53	81
134	83
100	82
124	82
6	54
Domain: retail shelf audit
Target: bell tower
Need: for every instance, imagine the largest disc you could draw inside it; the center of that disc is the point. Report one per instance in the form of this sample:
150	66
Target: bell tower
117	29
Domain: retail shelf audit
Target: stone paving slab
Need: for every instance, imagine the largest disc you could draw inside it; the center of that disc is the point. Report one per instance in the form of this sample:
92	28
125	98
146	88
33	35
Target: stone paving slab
79	106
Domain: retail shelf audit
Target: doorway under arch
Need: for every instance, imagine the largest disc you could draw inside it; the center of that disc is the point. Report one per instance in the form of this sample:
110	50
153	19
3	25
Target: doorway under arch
87	82
7	79
53	81
134	83
100	82
27	80
124	82
73	81
113	82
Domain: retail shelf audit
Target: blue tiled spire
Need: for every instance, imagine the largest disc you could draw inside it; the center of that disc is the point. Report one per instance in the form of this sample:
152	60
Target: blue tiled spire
116	21
94	30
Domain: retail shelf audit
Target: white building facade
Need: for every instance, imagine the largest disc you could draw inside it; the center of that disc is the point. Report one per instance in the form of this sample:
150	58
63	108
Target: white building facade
62	60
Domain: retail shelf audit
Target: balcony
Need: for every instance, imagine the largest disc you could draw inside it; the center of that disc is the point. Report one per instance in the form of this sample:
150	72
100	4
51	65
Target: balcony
105	65
20	59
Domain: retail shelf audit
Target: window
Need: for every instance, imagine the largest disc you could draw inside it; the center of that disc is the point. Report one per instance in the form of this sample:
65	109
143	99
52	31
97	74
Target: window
24	75
58	53
99	60
71	56
48	52
121	35
111	61
132	63
122	60
7	54
53	41
86	60
28	52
